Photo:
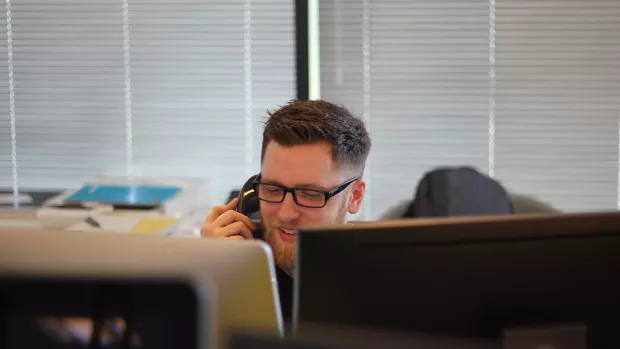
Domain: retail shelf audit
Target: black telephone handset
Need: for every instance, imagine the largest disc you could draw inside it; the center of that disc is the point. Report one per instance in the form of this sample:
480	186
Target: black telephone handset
249	205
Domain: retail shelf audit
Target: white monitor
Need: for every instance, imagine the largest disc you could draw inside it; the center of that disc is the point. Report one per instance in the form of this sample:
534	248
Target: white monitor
242	288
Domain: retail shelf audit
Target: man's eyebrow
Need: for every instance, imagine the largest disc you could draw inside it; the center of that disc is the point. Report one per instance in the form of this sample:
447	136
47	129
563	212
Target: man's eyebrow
269	181
298	185
310	186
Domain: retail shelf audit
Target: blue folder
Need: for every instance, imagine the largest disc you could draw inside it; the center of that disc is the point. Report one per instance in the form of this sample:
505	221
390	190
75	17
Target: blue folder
133	195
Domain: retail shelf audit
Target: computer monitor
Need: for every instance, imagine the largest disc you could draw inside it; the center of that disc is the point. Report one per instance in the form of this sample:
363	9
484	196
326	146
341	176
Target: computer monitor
330	337
516	280
39	312
238	276
253	341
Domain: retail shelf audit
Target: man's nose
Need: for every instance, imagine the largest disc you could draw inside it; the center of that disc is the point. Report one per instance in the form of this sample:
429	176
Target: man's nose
288	209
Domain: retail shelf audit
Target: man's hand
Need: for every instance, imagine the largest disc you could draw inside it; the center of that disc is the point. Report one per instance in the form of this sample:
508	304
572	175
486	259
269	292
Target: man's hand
225	223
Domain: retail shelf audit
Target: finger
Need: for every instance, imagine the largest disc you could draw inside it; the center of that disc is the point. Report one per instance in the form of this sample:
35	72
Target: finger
230	217
237	228
236	237
209	231
216	211
213	214
229	206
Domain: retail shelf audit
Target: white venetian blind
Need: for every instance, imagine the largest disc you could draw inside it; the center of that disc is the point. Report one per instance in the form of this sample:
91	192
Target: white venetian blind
558	100
144	87
6	163
341	53
203	73
273	63
528	91
68	72
422	85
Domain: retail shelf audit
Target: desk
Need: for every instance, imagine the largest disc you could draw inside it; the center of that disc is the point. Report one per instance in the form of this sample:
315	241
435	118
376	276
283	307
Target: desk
25	217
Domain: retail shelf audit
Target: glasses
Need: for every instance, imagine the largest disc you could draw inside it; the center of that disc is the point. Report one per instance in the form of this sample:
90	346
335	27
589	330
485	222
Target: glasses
303	197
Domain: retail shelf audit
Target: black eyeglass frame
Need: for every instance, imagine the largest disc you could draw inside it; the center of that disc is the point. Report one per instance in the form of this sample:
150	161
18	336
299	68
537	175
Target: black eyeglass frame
328	194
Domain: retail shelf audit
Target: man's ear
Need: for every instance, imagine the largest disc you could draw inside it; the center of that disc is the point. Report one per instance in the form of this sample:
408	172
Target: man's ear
356	197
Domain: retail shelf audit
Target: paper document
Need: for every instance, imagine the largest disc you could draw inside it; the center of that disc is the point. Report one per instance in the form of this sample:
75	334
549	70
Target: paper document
124	224
153	225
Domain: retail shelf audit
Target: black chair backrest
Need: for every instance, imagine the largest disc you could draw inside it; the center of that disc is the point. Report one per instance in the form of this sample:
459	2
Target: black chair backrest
458	191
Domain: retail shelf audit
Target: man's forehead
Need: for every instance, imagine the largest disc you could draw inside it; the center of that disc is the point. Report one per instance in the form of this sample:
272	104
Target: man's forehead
308	165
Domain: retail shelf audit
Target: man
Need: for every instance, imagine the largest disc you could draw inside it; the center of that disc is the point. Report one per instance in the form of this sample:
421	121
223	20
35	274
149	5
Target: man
312	161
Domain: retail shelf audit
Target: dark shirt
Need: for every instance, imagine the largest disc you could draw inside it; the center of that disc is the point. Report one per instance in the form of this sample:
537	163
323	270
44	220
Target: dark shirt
285	288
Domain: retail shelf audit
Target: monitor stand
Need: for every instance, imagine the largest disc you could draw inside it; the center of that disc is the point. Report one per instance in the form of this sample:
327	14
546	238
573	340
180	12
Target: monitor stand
546	337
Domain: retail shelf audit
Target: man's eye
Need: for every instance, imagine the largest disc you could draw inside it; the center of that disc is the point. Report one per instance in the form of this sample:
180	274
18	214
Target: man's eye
272	189
311	194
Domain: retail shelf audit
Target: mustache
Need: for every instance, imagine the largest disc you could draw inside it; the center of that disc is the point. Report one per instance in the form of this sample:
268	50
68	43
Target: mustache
277	223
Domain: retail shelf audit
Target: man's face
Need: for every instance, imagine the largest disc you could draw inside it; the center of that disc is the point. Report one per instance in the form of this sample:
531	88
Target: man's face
310	167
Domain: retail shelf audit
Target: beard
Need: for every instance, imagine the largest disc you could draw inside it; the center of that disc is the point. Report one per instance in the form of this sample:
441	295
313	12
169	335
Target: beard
284	253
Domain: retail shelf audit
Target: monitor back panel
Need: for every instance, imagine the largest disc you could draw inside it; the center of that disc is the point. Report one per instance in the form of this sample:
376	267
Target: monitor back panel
466	278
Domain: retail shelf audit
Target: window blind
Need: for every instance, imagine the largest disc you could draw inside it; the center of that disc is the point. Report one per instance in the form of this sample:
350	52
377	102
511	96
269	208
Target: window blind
6	149
558	100
526	91
146	87
202	77
424	92
68	77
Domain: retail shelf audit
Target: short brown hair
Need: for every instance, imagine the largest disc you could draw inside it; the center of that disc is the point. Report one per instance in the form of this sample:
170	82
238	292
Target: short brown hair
307	122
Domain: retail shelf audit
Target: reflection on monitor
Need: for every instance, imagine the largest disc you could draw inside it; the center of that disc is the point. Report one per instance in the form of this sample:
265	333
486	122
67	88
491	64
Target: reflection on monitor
44	312
81	330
